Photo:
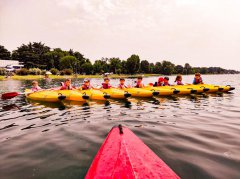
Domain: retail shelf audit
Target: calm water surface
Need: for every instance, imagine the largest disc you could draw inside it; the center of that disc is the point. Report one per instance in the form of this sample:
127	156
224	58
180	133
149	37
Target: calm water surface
198	136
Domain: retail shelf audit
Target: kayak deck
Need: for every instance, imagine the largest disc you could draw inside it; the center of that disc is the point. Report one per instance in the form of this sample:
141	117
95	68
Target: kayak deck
124	155
48	96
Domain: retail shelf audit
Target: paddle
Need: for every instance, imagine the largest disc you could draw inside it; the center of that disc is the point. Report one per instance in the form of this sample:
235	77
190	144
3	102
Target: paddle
10	95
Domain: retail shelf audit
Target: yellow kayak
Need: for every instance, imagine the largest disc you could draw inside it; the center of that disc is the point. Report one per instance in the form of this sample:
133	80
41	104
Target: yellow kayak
182	90
45	95
192	88
140	92
116	93
95	94
163	91
209	88
215	88
73	95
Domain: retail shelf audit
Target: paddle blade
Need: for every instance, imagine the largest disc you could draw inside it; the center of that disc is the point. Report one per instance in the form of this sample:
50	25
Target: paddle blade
9	95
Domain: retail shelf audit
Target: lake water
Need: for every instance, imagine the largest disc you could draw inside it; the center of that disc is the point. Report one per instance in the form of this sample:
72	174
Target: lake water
197	136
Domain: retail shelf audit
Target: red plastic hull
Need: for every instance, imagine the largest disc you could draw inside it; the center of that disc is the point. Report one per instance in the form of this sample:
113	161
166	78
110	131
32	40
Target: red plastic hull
126	156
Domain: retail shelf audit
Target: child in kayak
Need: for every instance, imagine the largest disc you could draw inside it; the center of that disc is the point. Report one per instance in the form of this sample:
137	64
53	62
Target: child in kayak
160	82
66	85
166	81
139	82
121	84
35	86
178	80
86	85
105	84
197	79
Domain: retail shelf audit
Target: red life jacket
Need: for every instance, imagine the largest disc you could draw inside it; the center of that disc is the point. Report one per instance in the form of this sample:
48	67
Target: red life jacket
85	87
64	87
166	83
106	86
159	83
122	86
197	81
138	85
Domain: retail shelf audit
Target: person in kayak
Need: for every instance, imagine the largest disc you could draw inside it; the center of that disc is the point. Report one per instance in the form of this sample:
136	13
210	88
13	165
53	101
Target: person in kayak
35	86
86	85
66	85
139	82
105	84
197	79
166	81
121	84
178	80
160	82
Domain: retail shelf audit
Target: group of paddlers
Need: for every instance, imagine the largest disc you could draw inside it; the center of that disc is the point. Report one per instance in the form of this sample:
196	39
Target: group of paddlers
162	81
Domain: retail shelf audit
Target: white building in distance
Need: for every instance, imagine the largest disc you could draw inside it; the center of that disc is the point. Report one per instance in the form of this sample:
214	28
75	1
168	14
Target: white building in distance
10	65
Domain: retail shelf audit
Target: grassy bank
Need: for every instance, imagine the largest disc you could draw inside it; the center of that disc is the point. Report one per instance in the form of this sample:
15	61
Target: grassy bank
37	77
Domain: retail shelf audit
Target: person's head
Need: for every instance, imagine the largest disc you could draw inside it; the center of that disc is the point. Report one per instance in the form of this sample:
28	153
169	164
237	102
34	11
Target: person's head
166	78
178	78
68	82
122	81
106	80
197	75
46	76
160	79
86	81
139	79
34	83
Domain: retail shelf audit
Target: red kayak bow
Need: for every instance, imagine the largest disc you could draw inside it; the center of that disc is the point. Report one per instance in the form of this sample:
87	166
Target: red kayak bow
124	155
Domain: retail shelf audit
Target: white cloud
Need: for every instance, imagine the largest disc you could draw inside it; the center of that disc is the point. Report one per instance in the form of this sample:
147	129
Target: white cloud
202	32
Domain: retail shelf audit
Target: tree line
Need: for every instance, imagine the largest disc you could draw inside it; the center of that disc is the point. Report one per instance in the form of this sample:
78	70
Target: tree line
38	55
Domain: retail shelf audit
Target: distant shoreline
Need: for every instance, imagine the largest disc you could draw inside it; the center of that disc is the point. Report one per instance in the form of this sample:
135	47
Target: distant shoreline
38	77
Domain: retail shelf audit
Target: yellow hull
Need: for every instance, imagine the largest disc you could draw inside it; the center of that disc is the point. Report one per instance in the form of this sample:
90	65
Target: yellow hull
185	89
48	96
182	90
140	92
116	93
162	91
95	94
219	88
73	95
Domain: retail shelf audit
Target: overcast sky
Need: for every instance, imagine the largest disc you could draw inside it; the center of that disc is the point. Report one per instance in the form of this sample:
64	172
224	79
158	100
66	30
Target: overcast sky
200	32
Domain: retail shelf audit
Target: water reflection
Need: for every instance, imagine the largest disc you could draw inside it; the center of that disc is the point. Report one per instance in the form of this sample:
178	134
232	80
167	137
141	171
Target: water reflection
59	140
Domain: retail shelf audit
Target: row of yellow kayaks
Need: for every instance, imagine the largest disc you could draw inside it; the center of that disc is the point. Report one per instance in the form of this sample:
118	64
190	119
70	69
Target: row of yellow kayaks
103	94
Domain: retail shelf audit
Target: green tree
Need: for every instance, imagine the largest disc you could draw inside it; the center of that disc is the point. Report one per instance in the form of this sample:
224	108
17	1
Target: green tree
87	68
179	69
52	58
4	53
133	64
101	66
203	70
167	68
32	55
158	68
69	62
115	64
187	69
151	68
144	66
124	67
